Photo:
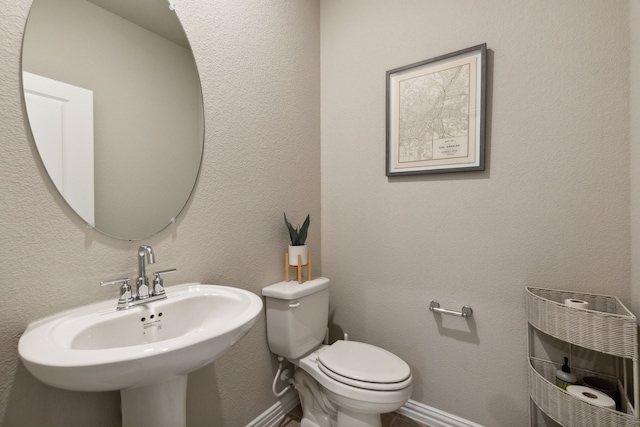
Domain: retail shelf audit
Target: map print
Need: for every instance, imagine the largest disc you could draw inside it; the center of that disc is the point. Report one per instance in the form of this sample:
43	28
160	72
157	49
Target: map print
434	116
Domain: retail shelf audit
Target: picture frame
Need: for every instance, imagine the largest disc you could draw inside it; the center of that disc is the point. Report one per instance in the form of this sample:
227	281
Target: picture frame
436	114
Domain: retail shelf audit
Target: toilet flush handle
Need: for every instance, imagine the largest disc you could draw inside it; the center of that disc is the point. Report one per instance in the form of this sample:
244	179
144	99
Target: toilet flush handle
294	304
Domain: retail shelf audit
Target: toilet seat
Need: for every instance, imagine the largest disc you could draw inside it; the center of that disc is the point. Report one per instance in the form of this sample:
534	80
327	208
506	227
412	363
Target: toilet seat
364	366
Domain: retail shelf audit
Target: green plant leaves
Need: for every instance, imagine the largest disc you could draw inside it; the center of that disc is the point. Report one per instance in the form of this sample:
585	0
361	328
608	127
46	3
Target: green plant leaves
302	235
298	235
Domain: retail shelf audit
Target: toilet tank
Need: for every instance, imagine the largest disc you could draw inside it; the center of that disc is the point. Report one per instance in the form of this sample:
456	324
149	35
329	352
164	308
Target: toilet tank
297	316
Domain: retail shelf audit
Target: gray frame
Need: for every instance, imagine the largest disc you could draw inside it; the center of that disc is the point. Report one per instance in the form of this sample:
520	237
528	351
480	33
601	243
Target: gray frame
432	67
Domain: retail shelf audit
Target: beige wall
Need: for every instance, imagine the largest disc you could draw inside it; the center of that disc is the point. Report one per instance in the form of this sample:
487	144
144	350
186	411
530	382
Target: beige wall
551	210
634	105
259	64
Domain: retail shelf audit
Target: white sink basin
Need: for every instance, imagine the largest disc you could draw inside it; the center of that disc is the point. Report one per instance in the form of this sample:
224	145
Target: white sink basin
96	348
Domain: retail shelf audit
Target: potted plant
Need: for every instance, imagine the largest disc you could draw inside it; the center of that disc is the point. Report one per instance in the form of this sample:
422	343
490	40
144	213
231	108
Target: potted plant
298	237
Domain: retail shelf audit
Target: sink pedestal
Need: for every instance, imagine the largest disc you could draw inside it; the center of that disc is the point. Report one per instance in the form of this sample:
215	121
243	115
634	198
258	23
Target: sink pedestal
157	405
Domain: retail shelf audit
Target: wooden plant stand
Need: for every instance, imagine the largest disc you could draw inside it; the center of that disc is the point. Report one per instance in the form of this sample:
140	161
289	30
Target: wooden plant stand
297	267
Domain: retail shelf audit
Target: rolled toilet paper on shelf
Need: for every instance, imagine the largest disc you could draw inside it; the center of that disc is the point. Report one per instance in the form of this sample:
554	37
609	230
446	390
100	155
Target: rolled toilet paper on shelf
590	395
576	303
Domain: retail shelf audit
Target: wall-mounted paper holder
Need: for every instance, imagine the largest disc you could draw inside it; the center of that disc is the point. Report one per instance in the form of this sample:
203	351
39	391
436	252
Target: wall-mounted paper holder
466	312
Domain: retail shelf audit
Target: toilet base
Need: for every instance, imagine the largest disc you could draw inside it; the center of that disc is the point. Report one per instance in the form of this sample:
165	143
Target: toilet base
323	408
317	411
357	419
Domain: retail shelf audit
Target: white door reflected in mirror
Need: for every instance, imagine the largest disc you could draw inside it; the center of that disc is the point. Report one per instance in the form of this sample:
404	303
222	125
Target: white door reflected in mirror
62	124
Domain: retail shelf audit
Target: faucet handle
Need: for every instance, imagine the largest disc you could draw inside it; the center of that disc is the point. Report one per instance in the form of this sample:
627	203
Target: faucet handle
158	285
114	282
125	291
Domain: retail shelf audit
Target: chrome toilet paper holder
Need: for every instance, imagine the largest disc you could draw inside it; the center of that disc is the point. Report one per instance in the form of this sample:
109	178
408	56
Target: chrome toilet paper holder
466	311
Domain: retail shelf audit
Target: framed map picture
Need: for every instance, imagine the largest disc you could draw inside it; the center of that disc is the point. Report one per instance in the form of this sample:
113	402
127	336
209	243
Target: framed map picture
436	114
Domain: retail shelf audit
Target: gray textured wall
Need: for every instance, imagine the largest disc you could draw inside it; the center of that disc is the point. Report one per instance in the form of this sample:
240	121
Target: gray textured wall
634	105
259	65
551	210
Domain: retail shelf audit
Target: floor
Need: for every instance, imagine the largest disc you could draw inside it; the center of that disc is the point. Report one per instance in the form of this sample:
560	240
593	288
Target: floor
292	419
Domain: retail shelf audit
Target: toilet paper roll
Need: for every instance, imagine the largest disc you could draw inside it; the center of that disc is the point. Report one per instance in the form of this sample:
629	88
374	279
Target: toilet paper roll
576	303
592	396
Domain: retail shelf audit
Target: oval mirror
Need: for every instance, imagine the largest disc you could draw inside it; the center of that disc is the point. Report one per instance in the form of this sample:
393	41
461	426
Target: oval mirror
114	103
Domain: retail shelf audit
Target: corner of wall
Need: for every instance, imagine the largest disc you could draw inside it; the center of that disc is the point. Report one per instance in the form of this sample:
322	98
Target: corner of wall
634	158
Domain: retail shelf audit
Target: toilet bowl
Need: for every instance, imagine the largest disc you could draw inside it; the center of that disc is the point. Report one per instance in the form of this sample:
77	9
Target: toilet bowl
359	394
345	384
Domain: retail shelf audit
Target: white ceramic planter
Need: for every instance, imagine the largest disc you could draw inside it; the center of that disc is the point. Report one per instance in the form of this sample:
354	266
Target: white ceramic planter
294	251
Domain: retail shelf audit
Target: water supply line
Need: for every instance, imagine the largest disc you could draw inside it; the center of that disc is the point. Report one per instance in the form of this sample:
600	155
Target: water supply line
283	377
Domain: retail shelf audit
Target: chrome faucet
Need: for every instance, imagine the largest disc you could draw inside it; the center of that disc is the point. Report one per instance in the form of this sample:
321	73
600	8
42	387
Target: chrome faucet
143	293
142	283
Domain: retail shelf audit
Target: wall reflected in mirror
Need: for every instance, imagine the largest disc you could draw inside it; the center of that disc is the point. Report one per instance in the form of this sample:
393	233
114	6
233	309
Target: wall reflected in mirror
146	138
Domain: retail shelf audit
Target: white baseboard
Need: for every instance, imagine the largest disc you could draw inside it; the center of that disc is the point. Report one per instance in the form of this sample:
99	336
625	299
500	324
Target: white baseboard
275	413
415	410
433	417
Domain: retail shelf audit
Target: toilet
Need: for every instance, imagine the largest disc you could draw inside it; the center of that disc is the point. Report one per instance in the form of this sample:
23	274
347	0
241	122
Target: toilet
345	384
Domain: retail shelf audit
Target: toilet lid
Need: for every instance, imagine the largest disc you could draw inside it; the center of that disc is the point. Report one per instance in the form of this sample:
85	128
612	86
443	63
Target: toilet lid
363	363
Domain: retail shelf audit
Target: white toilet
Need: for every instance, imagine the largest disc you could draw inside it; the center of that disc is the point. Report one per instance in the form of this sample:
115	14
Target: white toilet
346	384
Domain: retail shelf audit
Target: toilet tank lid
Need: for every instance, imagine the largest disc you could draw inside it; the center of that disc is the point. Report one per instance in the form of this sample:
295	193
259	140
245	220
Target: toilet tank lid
294	290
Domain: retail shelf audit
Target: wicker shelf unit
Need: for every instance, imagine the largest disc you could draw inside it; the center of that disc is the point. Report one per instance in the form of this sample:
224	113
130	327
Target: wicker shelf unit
607	327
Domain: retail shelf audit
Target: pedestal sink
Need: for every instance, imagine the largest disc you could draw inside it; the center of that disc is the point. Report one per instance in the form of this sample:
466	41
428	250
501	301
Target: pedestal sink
145	352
